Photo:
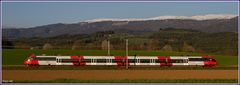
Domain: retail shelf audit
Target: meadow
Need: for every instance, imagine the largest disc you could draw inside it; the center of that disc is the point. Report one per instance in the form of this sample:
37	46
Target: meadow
17	56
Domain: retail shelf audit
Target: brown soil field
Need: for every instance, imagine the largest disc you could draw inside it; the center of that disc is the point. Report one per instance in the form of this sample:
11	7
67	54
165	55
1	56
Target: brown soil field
117	74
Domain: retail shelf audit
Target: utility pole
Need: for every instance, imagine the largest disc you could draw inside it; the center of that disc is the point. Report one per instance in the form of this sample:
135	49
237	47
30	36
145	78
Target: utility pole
109	45
127	53
108	48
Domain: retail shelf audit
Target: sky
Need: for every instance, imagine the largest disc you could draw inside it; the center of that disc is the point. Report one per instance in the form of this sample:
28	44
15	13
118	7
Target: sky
30	14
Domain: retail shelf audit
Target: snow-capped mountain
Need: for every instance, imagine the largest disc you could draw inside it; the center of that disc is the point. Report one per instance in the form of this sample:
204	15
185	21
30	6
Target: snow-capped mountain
196	17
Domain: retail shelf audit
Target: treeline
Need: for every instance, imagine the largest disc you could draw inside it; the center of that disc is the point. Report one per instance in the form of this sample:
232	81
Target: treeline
170	39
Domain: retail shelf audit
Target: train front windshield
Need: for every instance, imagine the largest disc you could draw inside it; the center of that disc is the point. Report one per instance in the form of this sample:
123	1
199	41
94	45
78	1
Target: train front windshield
210	59
29	59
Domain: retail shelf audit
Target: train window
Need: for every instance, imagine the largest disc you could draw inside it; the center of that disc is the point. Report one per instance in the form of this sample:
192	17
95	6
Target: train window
46	58
214	60
117	60
197	59
69	60
160	61
210	59
178	61
132	60
101	60
30	59
144	60
86	60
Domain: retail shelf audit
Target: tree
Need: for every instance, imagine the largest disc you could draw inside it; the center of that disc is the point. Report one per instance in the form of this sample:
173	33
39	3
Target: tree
47	46
76	45
6	44
143	46
22	45
187	47
153	44
104	45
167	48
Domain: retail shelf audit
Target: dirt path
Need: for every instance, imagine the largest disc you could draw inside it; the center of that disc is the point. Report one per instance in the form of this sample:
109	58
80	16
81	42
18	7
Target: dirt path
118	74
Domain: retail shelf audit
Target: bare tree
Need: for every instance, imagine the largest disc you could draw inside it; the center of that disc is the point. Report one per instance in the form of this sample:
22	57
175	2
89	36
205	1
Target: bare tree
167	48
104	45
153	44
22	46
76	45
47	46
187	47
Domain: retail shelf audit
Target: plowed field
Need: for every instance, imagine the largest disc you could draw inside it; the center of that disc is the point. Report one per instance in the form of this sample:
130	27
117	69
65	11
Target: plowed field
117	74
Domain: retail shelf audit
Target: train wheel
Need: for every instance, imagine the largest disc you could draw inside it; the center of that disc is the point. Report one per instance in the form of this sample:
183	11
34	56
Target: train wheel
36	66
211	66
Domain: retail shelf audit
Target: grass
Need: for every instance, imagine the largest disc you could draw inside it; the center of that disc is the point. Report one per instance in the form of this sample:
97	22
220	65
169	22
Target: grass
17	56
132	81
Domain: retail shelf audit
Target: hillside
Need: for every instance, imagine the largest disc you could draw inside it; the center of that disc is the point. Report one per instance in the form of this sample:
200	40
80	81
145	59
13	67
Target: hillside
169	39
137	26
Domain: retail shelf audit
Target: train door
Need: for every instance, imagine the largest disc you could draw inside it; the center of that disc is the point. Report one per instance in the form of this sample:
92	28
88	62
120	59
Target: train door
138	62
48	60
185	62
109	61
93	61
152	61
58	61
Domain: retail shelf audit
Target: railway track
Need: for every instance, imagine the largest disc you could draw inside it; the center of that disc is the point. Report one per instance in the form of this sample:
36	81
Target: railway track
24	67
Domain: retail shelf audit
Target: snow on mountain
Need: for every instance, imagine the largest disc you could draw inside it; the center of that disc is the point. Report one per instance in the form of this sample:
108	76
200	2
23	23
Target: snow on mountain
197	17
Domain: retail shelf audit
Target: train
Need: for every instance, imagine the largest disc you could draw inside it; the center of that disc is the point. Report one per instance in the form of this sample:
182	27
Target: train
34	60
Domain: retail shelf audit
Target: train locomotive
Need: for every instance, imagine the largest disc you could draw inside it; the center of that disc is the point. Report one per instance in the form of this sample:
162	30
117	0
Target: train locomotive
122	60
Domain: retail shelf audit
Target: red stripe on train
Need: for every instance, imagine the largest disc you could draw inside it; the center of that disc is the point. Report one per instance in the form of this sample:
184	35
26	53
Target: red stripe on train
74	57
81	60
169	61
31	62
165	60
162	58
118	59
208	62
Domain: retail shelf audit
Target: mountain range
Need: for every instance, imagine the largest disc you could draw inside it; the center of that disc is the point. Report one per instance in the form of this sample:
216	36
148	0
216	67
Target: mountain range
211	23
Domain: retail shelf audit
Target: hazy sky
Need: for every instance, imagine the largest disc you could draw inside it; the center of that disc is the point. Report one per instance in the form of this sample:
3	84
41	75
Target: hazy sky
30	14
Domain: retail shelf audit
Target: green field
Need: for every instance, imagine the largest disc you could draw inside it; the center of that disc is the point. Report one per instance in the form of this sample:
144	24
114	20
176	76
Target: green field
133	81
17	56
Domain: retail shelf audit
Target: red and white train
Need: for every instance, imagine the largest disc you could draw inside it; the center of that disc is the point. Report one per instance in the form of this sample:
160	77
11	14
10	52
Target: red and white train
121	60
